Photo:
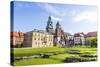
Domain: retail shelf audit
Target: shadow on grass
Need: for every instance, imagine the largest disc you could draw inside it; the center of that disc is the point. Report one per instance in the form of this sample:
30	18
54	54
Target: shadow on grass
70	60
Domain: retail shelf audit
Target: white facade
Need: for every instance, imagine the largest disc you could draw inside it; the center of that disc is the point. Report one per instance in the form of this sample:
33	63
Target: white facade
38	39
79	40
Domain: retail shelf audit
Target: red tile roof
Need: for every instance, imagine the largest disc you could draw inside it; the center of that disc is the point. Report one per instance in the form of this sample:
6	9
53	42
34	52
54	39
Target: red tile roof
78	34
91	34
17	34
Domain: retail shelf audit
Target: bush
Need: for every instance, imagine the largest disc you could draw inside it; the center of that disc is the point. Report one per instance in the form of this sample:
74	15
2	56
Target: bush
45	56
18	46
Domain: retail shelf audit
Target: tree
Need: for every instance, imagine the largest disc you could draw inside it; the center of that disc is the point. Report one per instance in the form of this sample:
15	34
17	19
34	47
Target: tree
94	42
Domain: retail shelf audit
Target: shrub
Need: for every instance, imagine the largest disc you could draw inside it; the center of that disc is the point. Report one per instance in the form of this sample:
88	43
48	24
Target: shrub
45	56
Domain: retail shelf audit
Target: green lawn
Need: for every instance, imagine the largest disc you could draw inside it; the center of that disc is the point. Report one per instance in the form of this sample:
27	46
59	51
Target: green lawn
59	55
37	61
52	60
19	52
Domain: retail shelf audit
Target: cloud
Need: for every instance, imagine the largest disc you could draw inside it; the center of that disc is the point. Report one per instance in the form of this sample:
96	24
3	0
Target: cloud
56	14
49	8
56	18
89	16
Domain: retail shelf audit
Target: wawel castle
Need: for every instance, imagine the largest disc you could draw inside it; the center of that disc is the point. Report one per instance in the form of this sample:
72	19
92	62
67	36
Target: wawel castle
48	38
45	38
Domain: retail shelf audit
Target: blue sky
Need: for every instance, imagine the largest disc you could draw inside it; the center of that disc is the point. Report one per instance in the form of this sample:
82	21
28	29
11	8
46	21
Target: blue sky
73	18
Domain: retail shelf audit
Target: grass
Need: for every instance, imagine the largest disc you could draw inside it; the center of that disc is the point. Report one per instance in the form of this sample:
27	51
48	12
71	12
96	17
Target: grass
37	61
61	57
60	54
52	60
20	52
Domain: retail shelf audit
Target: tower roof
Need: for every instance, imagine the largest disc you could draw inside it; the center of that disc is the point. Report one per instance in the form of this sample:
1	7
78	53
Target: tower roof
50	17
57	23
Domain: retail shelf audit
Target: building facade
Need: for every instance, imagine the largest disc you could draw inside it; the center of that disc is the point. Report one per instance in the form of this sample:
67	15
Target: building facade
79	38
70	40
38	38
17	39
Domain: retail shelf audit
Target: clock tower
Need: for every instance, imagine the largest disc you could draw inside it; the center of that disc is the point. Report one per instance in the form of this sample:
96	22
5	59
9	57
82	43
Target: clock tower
49	27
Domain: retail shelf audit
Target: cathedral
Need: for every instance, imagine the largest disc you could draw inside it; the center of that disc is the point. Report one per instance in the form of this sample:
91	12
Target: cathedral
49	38
59	36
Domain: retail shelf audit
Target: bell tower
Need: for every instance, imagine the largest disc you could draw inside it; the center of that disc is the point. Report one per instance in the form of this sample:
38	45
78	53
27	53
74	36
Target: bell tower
49	27
58	30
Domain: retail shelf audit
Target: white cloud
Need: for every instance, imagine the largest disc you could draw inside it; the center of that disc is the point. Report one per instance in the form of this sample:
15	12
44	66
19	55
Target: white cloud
89	16
56	18
49	8
57	15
